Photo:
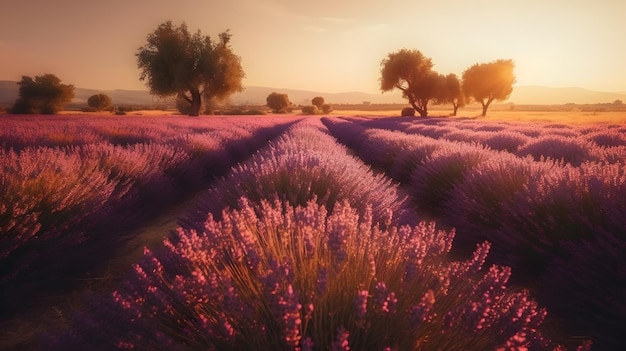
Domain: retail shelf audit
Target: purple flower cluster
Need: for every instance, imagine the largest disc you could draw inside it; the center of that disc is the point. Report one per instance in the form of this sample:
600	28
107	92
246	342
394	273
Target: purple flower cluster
82	182
274	275
304	163
562	187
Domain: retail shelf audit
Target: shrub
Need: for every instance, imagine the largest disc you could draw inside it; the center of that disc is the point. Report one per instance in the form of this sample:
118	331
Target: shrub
278	102
574	151
432	183
608	138
254	112
408	112
100	102
326	108
276	277
478	205
44	94
310	110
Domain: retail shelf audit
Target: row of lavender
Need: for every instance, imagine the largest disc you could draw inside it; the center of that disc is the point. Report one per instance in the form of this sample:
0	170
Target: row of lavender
570	143
94	177
300	261
560	227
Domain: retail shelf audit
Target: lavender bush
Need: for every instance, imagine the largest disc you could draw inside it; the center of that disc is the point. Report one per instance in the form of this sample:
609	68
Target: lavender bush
300	278
63	207
302	164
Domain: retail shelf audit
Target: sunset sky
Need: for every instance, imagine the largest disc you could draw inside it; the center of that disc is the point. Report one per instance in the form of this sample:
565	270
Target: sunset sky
323	45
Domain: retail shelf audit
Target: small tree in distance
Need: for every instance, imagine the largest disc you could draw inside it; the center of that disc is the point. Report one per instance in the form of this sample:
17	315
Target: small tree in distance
452	93
488	82
100	102
44	94
278	102
191	66
318	101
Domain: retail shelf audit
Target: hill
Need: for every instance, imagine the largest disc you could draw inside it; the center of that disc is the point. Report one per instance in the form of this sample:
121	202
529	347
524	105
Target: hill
255	95
539	95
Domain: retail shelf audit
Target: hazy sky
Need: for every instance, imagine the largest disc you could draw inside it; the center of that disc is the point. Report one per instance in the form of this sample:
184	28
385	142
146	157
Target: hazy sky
322	45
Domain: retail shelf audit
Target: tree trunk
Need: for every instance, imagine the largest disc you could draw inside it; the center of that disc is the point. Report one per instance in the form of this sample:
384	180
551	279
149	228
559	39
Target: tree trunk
196	102
456	108
485	107
423	111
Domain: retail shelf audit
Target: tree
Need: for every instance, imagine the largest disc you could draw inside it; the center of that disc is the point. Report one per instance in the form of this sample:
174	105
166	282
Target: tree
488	82
411	72
175	62
44	94
100	102
318	101
452	93
278	102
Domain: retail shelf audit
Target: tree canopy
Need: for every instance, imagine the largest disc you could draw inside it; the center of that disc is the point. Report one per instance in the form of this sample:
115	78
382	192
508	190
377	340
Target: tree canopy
278	102
452	93
318	101
411	72
175	62
100	102
44	94
488	82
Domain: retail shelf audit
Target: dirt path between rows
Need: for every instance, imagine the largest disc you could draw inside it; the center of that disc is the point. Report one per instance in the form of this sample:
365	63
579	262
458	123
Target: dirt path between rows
20	332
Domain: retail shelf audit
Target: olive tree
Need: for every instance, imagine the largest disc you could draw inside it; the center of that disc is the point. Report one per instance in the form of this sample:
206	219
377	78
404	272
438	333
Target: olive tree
44	94
278	102
488	82
411	72
100	102
175	62
452	93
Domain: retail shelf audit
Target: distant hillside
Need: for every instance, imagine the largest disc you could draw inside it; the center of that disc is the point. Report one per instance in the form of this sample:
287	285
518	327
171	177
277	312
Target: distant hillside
254	95
538	95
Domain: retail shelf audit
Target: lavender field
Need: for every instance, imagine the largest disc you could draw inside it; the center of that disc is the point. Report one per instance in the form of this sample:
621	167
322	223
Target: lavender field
308	233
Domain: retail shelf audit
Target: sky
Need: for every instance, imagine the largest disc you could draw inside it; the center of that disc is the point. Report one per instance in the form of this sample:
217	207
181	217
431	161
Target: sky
322	45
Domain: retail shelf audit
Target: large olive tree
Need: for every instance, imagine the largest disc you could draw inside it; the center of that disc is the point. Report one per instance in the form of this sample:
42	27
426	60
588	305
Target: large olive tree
175	62
411	72
488	82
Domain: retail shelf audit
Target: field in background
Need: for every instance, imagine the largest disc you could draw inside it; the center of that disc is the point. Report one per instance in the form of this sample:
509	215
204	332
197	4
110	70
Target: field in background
498	113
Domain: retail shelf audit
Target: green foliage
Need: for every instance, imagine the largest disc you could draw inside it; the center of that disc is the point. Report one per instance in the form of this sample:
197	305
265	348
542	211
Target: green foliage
278	102
326	108
100	102
44	94
192	66
488	82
